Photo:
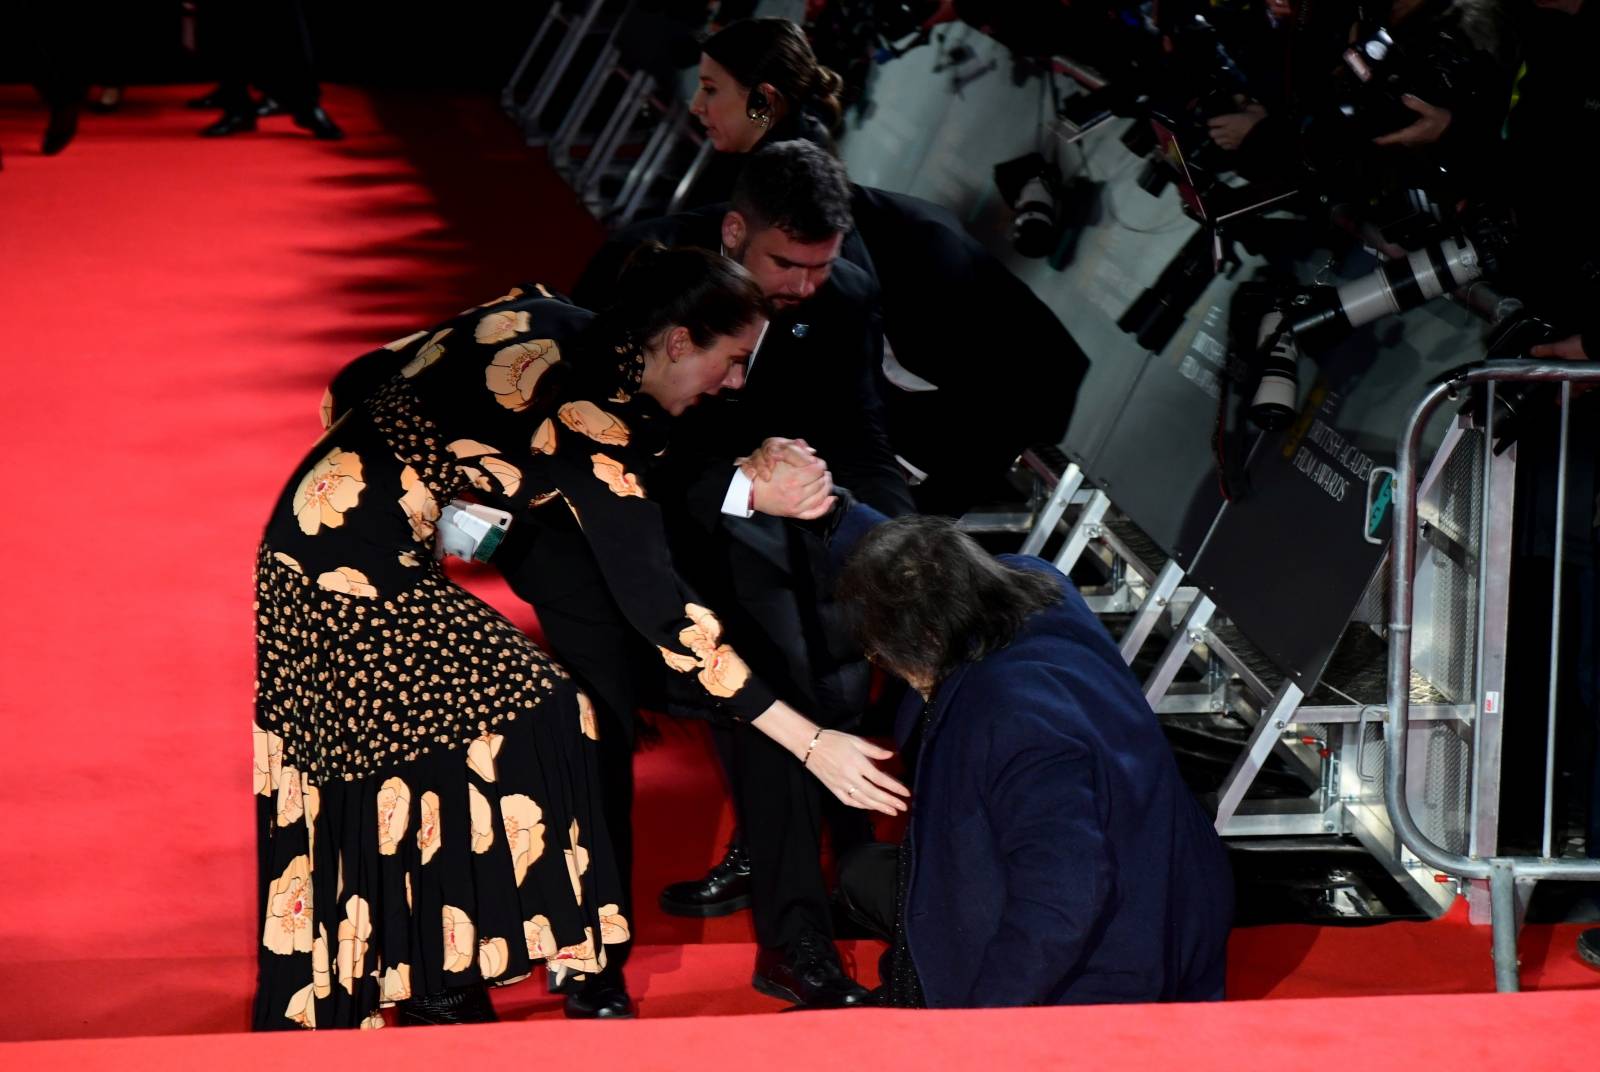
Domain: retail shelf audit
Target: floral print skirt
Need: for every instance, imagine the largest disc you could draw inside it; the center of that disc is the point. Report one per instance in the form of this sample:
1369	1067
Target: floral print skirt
467	859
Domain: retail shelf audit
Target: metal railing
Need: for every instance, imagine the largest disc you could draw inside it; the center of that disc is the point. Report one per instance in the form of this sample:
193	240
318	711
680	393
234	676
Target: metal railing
1501	872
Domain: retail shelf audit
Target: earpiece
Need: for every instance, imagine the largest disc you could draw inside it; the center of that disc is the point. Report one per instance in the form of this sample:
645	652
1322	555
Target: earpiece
759	108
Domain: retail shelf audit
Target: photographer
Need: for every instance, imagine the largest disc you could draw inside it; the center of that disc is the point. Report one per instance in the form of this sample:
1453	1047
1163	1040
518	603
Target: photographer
1418	75
1557	112
1443	55
1286	51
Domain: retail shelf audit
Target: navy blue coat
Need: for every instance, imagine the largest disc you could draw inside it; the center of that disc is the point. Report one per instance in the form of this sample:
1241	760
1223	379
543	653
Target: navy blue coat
1057	857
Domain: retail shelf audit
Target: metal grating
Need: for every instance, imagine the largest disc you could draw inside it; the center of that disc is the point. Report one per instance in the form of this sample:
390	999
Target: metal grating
1455	589
1134	539
1443	809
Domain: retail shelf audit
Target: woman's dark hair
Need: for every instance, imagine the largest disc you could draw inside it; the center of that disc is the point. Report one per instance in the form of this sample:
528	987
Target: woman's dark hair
776	51
925	598
703	292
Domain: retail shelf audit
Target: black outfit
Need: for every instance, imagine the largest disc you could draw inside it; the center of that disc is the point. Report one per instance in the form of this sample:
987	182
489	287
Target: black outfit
714	185
431	814
811	378
266	44
1006	370
1446	66
1558	227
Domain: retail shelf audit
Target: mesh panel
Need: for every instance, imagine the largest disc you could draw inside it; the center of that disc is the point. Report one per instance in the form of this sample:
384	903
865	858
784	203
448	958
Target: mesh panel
1374	605
1455	590
1441	808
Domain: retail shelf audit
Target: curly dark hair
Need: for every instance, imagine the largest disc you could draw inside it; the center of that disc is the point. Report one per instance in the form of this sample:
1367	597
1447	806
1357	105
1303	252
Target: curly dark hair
924	597
796	187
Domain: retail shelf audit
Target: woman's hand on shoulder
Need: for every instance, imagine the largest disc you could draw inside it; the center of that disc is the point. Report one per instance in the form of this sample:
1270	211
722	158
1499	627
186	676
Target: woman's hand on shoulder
847	765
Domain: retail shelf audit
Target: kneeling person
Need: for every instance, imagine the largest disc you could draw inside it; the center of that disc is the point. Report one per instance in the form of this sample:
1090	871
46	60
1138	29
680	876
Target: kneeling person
1053	856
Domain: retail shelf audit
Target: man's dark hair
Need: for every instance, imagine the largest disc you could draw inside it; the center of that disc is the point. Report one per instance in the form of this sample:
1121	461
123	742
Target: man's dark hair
796	187
925	598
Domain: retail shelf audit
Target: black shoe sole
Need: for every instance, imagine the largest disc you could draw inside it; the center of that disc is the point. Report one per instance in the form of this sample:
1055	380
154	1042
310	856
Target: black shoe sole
773	990
782	993
596	1016
581	1014
1590	955
705	911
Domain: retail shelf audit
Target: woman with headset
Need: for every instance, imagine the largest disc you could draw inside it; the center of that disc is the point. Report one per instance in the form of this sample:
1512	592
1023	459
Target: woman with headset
759	83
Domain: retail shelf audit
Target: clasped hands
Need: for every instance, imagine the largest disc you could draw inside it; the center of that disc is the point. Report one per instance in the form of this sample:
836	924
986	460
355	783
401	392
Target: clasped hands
788	480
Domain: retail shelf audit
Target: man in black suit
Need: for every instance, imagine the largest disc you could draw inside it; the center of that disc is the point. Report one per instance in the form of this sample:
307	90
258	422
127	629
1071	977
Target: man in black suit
976	367
810	378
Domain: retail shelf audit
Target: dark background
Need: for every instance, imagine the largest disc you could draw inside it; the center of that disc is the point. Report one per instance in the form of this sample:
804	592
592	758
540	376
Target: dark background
467	44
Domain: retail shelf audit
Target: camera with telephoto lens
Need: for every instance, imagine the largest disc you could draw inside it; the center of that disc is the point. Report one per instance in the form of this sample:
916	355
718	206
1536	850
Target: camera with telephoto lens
1315	317
1158	311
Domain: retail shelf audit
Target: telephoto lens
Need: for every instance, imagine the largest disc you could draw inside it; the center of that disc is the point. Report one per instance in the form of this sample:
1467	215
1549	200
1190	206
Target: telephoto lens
1273	404
1399	285
1033	232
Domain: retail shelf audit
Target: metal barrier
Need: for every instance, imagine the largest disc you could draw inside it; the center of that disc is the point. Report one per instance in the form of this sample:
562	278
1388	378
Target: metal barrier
1501	872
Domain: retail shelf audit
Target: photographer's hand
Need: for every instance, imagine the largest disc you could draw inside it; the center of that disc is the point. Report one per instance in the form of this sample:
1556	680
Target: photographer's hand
1229	131
1568	349
1425	131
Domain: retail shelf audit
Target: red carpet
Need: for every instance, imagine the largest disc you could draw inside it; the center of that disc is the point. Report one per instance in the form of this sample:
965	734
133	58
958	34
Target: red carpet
172	308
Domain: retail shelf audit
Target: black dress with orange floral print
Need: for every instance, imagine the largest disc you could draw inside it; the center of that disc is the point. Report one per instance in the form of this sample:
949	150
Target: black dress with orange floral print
429	809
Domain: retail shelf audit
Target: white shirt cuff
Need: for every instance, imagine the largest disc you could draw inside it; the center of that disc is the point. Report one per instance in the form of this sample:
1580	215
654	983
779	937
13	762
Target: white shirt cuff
737	502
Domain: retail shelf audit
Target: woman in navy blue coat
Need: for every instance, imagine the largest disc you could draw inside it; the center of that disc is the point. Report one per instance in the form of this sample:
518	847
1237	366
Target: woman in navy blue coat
1053	855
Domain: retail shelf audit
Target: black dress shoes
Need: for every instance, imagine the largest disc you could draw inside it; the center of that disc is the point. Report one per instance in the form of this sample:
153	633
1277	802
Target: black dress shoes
319	123
62	129
462	1005
724	890
266	106
599	998
809	975
208	103
230	123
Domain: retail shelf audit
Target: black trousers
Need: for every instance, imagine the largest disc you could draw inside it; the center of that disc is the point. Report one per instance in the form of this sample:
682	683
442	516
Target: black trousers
261	43
547	562
866	884
771	587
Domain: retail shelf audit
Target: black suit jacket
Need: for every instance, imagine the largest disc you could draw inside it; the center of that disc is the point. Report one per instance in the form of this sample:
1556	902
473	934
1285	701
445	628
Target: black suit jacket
957	317
812	378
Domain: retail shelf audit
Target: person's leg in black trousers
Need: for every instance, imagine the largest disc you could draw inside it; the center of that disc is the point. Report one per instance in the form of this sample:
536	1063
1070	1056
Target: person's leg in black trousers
783	633
547	562
266	43
51	36
866	885
781	805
